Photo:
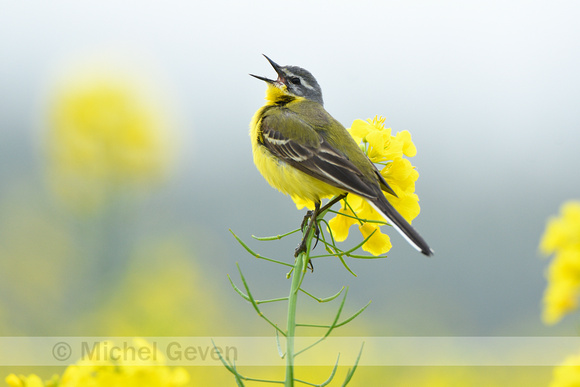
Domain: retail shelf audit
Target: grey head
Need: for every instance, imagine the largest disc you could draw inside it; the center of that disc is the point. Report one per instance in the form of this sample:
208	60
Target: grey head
299	82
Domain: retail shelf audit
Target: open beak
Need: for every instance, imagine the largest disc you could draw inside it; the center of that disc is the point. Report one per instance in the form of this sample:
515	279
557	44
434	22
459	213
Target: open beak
278	69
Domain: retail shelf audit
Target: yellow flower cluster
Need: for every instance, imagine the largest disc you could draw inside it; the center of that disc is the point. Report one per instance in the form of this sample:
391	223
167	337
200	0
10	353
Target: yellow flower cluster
387	150
562	239
105	372
104	135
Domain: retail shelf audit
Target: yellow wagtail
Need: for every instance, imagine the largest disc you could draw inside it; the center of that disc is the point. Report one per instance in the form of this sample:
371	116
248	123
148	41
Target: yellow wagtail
301	150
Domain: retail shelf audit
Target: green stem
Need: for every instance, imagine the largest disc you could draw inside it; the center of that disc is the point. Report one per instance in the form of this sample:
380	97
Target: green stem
298	273
291	328
297	277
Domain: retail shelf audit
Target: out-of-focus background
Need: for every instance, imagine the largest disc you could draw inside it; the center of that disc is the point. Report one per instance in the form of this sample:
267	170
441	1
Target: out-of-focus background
125	159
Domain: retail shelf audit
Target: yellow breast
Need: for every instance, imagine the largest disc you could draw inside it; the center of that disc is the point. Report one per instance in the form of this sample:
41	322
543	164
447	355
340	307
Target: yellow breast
284	177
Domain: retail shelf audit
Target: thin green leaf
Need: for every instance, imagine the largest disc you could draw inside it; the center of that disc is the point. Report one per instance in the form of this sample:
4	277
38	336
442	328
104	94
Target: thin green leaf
360	220
310	346
275	237
247	248
327	381
346	266
339	311
305	325
350	372
360	244
330	328
244	296
333	373
253	301
271	300
358	256
353	316
229	366
349	251
338	255
279	346
327	299
344	322
338	252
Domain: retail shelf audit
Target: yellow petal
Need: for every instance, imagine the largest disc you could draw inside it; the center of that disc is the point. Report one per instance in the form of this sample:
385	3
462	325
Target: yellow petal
400	174
378	145
359	130
379	243
407	205
409	148
362	208
355	202
340	225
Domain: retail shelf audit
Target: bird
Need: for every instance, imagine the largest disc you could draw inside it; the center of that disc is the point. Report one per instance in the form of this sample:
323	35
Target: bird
302	151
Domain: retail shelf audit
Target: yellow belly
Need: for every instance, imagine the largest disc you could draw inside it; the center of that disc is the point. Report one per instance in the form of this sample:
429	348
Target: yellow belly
290	180
284	177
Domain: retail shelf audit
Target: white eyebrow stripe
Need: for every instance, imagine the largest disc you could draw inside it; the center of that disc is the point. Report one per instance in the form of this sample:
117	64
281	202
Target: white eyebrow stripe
302	81
306	84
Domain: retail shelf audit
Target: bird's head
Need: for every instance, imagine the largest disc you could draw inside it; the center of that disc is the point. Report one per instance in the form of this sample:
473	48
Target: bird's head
292	82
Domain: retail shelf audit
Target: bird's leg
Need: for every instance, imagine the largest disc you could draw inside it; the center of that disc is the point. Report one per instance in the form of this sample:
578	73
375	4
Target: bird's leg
333	202
316	228
311	219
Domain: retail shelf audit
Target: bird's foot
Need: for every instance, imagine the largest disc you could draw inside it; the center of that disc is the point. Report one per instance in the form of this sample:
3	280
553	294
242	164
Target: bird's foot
309	221
302	249
303	244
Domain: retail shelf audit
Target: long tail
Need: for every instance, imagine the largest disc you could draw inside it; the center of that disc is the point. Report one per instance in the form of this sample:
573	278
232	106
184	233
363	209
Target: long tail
400	224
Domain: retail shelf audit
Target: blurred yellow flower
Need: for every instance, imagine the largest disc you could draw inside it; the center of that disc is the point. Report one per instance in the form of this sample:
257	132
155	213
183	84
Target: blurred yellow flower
144	304
387	150
562	239
28	381
126	371
104	136
567	374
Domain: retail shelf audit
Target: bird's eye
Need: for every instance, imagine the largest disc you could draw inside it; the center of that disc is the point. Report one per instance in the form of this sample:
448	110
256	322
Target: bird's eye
295	80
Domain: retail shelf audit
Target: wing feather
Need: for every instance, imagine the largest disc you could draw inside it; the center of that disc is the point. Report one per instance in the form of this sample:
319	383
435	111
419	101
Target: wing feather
318	159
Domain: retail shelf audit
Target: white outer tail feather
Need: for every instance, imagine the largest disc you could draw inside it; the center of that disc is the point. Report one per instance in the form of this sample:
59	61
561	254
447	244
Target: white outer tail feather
392	223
